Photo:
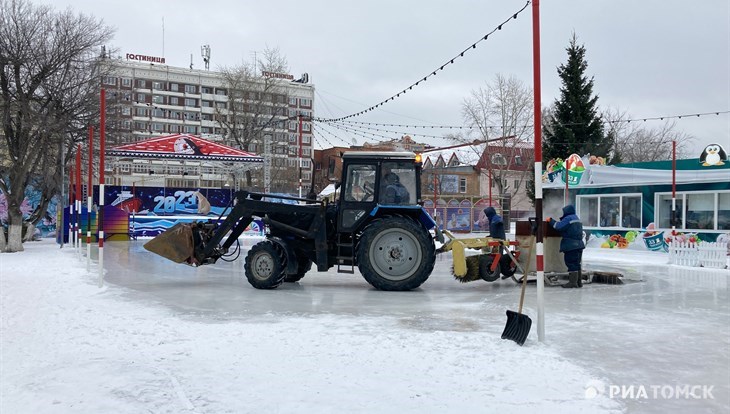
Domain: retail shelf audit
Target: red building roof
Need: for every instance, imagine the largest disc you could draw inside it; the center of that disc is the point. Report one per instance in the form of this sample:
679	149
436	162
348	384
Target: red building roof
184	147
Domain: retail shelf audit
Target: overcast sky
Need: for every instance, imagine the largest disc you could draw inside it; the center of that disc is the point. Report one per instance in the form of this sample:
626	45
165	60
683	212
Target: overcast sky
649	58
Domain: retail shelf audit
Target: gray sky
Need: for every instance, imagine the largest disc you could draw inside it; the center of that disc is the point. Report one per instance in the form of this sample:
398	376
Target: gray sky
649	58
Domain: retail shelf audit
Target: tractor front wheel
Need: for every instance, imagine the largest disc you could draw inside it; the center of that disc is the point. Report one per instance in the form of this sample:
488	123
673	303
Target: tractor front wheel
303	266
395	253
265	265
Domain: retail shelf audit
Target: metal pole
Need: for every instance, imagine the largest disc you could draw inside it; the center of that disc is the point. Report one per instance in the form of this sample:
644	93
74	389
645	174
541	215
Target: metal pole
300	156
100	214
77	230
674	188
89	197
71	198
538	170
567	178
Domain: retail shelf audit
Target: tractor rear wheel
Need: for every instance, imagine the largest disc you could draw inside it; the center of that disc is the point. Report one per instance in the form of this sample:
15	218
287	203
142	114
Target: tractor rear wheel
395	253
303	266
265	265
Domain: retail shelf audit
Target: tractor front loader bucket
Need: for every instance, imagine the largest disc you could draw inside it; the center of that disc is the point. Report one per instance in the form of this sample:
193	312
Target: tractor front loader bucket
175	244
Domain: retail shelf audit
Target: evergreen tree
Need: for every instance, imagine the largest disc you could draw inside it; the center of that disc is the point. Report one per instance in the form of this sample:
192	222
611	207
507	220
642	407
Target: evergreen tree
574	125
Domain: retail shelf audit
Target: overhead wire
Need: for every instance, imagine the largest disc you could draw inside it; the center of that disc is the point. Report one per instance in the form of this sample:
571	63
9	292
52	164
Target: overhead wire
433	72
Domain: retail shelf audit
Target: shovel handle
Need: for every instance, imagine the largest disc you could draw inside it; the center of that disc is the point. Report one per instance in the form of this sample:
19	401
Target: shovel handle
524	274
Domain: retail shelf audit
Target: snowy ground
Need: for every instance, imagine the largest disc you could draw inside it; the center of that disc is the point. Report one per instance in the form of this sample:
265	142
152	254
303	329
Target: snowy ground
167	338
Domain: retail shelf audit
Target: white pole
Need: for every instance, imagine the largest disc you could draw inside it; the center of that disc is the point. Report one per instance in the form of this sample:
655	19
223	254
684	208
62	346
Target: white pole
88	231
78	229
101	235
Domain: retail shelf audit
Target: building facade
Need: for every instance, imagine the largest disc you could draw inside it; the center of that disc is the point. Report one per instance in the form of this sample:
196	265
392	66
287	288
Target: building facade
147	99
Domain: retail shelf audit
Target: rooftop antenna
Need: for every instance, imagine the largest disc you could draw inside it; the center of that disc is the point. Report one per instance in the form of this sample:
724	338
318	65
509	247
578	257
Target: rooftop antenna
205	52
191	61
163	36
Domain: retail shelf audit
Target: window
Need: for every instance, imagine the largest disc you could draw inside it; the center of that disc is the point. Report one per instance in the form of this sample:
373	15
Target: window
306	139
157	127
141	98
292	137
158	85
723	211
205	89
518	161
126	124
631	212
173	100
462	184
158	99
206	104
141	83
700	211
306	163
190	129
221	92
305	103
190	88
158	113
140	111
609	215
306	126
293	101
126	82
360	183
306	152
190	102
397	183
664	209
498	159
140	126
110	80
615	210
126	110
174	87
220	105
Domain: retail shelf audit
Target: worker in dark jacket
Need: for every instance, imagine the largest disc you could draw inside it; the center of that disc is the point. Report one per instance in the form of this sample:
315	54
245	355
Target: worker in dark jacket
496	225
571	244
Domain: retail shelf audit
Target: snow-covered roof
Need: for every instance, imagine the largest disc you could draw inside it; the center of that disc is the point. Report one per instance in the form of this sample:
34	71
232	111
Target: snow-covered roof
466	155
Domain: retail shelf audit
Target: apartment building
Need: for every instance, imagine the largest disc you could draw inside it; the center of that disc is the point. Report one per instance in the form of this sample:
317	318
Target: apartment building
148	99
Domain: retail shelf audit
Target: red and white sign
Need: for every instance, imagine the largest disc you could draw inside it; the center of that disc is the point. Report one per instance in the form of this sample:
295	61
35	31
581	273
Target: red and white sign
276	75
145	58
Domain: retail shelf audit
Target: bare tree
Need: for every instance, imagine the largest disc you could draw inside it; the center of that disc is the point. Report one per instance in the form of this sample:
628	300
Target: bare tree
503	109
257	104
636	142
47	74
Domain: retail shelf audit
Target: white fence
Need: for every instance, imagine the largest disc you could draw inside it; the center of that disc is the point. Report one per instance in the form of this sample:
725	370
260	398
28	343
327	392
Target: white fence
704	254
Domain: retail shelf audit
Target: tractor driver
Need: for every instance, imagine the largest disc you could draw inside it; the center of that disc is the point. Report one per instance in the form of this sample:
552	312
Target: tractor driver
395	192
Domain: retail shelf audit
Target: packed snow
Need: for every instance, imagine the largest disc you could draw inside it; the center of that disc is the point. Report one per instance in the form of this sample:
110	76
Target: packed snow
166	338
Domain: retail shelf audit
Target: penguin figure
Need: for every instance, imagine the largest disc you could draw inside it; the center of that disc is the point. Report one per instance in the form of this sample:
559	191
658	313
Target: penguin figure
713	155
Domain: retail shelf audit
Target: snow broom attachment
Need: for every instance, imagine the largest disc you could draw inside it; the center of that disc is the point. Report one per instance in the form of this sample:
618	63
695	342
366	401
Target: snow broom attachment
175	244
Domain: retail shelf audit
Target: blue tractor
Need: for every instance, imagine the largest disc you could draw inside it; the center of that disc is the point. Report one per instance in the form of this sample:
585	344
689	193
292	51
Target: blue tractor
375	223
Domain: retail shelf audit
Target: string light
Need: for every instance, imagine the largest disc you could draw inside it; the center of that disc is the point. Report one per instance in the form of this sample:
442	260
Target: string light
616	121
431	73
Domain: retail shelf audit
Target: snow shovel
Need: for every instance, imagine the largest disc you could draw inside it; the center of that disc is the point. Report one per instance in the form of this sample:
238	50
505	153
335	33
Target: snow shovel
518	325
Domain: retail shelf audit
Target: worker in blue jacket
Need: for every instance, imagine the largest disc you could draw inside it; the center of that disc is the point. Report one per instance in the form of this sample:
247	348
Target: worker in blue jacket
496	225
571	244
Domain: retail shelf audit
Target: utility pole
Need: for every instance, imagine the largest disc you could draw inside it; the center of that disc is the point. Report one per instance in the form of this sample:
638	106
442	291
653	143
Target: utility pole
300	155
267	163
